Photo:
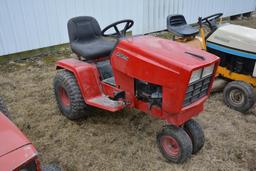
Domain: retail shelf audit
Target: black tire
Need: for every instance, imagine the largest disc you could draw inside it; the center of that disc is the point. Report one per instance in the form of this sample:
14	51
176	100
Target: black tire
196	134
3	108
239	96
179	148
73	107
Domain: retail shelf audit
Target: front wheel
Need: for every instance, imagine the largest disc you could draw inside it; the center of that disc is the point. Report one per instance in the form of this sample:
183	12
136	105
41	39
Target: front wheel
239	96
196	134
174	144
68	95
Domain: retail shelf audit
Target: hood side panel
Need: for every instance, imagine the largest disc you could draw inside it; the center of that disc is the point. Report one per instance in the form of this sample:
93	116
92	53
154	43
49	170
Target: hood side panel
11	137
17	158
169	53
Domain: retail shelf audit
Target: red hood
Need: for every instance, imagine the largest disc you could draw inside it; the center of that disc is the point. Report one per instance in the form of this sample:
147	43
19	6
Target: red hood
168	52
11	138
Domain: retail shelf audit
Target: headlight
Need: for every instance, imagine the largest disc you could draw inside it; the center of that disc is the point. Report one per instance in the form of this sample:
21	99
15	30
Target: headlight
208	70
196	75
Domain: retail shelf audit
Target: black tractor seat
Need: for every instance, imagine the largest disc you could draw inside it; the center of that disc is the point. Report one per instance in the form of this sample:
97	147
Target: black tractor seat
86	40
177	24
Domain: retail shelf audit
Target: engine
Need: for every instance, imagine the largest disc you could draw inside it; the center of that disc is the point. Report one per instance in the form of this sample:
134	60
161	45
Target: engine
148	92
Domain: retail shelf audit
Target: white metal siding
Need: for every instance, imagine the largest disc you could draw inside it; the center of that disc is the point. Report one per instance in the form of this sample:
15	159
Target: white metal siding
32	24
156	11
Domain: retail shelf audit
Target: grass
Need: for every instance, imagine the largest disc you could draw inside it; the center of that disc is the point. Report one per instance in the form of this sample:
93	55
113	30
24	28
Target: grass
42	52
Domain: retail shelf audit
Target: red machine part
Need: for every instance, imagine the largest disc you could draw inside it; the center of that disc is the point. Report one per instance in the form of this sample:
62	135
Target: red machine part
161	62
170	145
64	97
92	89
19	158
86	74
15	149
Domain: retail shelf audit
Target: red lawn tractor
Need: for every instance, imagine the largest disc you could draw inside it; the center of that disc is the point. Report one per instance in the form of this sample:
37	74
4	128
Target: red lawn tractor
163	78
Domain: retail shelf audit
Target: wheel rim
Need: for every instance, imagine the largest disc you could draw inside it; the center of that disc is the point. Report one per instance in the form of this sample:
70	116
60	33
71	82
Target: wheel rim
64	97
170	146
237	96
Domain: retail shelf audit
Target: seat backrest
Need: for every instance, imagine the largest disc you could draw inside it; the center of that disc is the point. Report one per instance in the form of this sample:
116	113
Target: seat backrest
176	20
83	28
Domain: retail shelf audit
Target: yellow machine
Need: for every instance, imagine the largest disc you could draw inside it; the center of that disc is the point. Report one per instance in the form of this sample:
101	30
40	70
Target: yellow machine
235	45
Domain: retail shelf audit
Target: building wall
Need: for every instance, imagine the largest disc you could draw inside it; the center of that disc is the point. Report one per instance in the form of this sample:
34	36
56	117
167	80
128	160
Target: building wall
156	11
32	24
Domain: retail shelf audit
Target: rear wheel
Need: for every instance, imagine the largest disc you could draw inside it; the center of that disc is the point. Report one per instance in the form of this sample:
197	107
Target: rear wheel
239	96
3	108
68	95
196	134
174	144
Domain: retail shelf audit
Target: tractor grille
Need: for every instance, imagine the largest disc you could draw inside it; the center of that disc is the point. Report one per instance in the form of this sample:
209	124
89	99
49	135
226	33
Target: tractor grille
197	90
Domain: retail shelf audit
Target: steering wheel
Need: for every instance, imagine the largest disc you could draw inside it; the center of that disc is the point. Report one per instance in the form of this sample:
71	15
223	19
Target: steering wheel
210	20
118	33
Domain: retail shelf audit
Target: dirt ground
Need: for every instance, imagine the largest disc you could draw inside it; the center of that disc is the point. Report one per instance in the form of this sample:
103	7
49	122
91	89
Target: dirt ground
124	140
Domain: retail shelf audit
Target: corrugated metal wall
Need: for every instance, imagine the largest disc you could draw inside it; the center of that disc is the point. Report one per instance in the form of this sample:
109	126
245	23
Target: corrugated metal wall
156	11
30	24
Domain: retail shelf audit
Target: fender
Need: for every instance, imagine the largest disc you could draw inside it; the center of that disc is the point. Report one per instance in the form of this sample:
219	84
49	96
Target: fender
86	75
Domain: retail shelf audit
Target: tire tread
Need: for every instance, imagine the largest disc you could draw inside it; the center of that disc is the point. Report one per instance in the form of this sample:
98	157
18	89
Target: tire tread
196	134
78	106
249	92
183	140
